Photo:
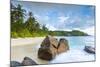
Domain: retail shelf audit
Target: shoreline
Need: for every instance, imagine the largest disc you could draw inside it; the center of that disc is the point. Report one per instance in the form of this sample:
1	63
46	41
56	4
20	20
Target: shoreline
28	47
29	40
25	41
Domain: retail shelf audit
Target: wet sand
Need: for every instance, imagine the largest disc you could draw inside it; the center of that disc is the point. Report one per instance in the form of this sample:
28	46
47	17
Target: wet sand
26	47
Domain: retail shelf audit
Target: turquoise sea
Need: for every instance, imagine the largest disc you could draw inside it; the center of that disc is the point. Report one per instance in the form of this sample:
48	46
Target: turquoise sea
76	52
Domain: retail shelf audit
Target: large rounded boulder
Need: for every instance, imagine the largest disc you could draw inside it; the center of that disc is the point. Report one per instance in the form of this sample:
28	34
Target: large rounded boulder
48	49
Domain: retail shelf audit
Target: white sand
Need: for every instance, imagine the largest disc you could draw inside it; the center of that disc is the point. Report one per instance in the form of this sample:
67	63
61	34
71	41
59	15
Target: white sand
22	47
25	41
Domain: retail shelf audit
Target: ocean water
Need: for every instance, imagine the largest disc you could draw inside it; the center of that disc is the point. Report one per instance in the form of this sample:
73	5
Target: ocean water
76	52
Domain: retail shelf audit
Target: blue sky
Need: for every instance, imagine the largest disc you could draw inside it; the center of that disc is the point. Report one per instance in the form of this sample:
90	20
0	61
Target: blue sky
62	16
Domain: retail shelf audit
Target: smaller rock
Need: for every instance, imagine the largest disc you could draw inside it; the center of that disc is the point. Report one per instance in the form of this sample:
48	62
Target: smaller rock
89	49
15	64
63	45
28	62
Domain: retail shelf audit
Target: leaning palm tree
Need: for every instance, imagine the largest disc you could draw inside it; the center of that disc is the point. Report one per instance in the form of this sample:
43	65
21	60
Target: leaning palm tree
30	24
20	13
17	12
17	17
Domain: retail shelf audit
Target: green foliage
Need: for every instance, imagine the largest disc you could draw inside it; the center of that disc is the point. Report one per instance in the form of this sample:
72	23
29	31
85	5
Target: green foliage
30	24
14	35
27	33
28	28
77	33
44	28
68	33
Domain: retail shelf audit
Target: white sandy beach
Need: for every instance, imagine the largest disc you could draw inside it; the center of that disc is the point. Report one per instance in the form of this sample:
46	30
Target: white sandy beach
22	47
25	41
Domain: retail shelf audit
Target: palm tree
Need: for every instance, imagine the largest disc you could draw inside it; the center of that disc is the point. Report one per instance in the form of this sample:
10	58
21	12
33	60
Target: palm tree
30	23
44	28
12	13
20	13
17	12
17	17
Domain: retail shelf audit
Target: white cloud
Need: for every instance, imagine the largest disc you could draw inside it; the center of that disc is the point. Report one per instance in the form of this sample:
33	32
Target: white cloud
76	29
65	29
36	16
90	30
46	18
50	27
62	19
42	19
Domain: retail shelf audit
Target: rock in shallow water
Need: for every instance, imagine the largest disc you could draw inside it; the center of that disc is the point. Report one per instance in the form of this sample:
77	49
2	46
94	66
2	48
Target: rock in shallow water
89	49
63	45
15	64
28	61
